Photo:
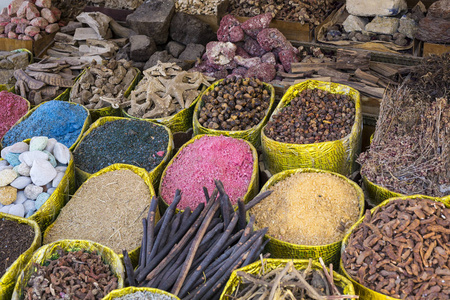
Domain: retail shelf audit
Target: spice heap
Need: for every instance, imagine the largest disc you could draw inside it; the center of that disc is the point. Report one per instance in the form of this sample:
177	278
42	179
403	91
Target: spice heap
79	274
314	116
105	209
29	20
101	85
248	49
199	163
235	104
401	250
30	174
164	91
320	208
127	141
12	108
410	150
16	239
144	295
10	61
192	254
47	79
288	283
303	11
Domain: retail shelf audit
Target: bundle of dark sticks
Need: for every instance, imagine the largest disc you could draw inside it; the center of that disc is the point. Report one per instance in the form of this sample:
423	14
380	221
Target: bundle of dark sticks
192	254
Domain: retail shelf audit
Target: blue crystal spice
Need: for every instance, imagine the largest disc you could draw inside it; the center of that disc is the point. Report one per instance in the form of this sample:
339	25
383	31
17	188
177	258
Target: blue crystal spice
54	119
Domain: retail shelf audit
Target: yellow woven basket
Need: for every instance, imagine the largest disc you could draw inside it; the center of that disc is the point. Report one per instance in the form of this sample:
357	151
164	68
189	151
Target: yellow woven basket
8	280
155	174
330	253
337	156
272	264
130	290
253	135
364	292
48	251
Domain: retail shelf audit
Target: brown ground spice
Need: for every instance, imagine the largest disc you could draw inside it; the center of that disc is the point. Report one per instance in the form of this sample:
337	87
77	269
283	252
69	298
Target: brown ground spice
309	209
107	209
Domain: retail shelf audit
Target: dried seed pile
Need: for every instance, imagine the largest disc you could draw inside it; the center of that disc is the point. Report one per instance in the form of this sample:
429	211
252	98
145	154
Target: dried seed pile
303	11
12	108
320	208
75	275
235	104
144	295
314	116
288	283
127	141
410	150
208	158
16	239
192	254
402	250
106	209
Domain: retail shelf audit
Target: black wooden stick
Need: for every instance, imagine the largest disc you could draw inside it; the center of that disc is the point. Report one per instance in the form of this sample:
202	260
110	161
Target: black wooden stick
257	199
205	191
151	218
129	268
248	230
143	252
242	222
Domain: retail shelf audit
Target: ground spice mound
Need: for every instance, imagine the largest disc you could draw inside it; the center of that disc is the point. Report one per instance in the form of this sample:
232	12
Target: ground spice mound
107	209
16	238
12	108
309	209
144	295
200	163
127	141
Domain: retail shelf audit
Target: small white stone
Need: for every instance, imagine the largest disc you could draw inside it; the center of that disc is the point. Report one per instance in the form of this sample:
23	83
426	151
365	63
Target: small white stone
5	151
354	23
32	191
4	163
38	143
17	210
21	198
19	147
21	182
375	8
8	167
408	27
42	172
50	145
7	176
5	209
29	156
61	153
51	190
23	169
383	25
28	205
61	169
57	179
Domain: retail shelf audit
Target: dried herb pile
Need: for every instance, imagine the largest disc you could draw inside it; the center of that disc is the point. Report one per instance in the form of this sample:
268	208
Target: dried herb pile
289	283
410	150
192	254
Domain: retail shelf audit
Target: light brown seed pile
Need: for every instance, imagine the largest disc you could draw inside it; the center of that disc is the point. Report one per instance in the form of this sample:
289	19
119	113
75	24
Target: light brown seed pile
309	209
107	209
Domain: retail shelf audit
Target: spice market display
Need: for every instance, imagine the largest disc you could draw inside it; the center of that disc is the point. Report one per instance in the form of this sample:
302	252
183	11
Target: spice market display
225	149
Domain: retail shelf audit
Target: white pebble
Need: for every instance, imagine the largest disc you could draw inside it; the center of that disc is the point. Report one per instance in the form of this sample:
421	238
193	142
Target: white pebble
57	179
8	167
23	169
29	205
4	163
21	198
42	172
17	210
38	143
5	151
30	156
50	145
51	190
5	209
21	182
61	153
61	169
19	147
7	176
32	191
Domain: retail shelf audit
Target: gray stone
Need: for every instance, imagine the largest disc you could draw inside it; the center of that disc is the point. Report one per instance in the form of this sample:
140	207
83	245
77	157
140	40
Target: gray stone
29	205
6	64
23	169
366	8
192	52
139	64
42	172
51	190
162	56
383	25
434	30
57	179
32	191
152	19
187	29
19	147
29	156
17	210
21	198
355	23
20	60
440	10
50	145
407	26
21	182
61	169
175	48
61	153
5	209
6	76
142	47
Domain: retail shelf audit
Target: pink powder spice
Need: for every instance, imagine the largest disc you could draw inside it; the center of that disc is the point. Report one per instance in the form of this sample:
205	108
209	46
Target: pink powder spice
12	108
200	163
